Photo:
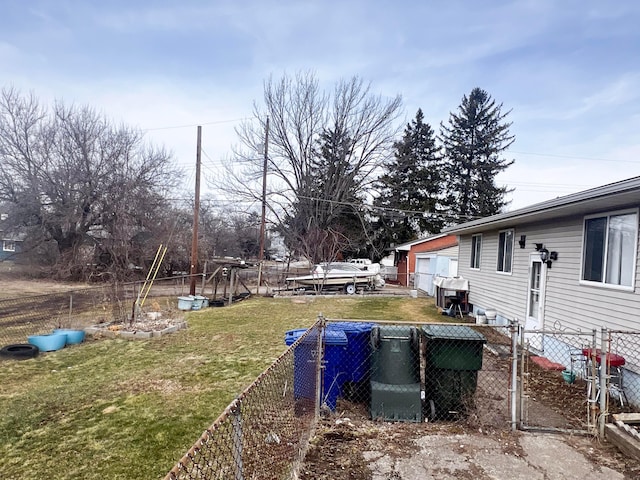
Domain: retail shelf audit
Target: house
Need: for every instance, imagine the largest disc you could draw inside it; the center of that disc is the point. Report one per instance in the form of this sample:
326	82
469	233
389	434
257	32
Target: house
419	261
569	265
571	261
10	244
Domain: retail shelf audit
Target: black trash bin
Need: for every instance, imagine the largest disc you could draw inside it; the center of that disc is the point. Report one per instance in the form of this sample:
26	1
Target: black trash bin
453	356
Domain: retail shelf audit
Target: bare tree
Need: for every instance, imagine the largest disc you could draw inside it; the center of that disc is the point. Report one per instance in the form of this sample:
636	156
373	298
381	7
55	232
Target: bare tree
324	152
76	180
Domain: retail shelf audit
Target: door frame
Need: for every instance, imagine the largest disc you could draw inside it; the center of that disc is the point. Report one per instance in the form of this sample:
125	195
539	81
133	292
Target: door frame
536	323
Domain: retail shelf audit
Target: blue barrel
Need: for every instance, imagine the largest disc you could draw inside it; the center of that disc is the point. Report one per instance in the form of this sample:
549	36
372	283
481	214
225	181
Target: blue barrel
357	360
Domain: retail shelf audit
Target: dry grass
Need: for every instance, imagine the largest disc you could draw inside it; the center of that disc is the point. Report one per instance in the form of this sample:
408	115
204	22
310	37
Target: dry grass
116	409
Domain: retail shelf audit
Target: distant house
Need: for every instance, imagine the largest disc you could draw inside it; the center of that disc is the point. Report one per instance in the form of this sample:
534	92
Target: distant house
10	244
419	261
570	262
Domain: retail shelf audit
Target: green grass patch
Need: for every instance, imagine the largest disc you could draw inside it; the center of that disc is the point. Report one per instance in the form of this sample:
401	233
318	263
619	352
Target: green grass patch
117	409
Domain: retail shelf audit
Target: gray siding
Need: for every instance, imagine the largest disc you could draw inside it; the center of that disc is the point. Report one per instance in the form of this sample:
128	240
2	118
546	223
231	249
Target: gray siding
568	304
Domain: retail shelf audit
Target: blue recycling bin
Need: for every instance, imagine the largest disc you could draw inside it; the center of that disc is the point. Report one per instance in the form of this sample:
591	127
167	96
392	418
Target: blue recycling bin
304	365
304	369
356	362
335	351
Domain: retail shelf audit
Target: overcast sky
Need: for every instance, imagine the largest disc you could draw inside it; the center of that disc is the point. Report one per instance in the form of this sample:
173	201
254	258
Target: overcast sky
568	70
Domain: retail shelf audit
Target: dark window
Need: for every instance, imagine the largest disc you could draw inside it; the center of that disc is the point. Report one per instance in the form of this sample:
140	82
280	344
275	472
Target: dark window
476	247
505	251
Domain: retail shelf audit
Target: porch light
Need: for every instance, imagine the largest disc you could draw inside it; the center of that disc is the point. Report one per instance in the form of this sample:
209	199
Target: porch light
544	254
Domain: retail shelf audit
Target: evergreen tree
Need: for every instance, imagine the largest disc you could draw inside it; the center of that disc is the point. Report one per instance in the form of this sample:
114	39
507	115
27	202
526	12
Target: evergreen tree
473	142
410	191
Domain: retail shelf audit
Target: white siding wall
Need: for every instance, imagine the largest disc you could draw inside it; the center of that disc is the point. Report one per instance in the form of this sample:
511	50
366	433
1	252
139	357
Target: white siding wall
568	304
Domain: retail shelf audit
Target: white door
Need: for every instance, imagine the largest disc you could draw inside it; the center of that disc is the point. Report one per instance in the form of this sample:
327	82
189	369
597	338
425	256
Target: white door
535	300
424	279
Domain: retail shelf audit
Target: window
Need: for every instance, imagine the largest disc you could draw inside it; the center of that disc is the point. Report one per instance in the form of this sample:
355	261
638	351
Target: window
505	251
476	247
8	246
609	249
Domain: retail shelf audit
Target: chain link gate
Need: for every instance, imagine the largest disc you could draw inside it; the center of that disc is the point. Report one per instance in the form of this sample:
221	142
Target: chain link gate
558	376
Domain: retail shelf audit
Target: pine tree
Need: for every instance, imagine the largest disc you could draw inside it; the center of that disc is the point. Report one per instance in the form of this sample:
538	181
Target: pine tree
473	143
410	191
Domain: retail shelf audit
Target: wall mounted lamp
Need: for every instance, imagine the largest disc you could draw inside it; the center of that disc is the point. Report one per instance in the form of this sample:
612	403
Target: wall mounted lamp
523	241
545	255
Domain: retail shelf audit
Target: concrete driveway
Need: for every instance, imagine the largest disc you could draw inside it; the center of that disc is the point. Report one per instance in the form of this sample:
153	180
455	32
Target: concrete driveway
526	456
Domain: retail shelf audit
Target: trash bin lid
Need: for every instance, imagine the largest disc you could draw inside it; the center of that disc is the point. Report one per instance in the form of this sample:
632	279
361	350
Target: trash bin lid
452	332
292	335
335	337
352	327
331	336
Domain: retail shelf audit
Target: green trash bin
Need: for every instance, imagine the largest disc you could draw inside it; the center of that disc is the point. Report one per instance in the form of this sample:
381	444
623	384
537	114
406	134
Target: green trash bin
395	374
395	357
453	356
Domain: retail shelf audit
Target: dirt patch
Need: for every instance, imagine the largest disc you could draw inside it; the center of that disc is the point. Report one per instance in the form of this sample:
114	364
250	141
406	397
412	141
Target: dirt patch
18	288
354	447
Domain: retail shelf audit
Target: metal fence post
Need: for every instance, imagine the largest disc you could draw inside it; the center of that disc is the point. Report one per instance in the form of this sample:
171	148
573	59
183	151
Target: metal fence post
236	422
591	377
514	374
522	375
320	363
604	379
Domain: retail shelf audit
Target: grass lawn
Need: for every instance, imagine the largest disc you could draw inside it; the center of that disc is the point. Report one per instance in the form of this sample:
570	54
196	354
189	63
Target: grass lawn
119	409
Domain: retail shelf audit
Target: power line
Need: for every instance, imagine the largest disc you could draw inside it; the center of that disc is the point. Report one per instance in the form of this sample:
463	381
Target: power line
218	122
572	157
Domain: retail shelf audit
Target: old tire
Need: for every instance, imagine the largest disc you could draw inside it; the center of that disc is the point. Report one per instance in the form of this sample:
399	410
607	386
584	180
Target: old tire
19	351
350	288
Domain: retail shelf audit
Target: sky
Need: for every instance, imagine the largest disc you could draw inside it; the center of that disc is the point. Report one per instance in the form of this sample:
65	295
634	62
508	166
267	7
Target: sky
567	71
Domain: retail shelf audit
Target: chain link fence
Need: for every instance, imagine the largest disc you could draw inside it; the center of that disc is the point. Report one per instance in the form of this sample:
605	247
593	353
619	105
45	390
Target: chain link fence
264	433
420	372
80	308
385	371
564	373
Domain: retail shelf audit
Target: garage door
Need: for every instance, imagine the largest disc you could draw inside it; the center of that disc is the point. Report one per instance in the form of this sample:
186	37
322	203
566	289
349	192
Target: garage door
423	279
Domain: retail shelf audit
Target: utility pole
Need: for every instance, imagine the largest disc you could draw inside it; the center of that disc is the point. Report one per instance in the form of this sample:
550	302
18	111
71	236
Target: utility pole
196	215
264	203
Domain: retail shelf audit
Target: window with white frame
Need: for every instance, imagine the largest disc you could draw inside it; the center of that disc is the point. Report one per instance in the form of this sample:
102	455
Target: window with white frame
8	246
505	251
476	248
609	248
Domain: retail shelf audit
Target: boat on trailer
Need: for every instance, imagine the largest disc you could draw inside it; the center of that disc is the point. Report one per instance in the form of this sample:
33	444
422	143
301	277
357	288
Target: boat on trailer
337	275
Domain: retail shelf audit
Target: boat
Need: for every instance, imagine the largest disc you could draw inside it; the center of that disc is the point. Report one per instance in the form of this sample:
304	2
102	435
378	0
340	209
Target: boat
337	275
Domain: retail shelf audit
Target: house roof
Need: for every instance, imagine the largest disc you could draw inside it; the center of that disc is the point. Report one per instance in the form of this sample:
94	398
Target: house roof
607	197
405	247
